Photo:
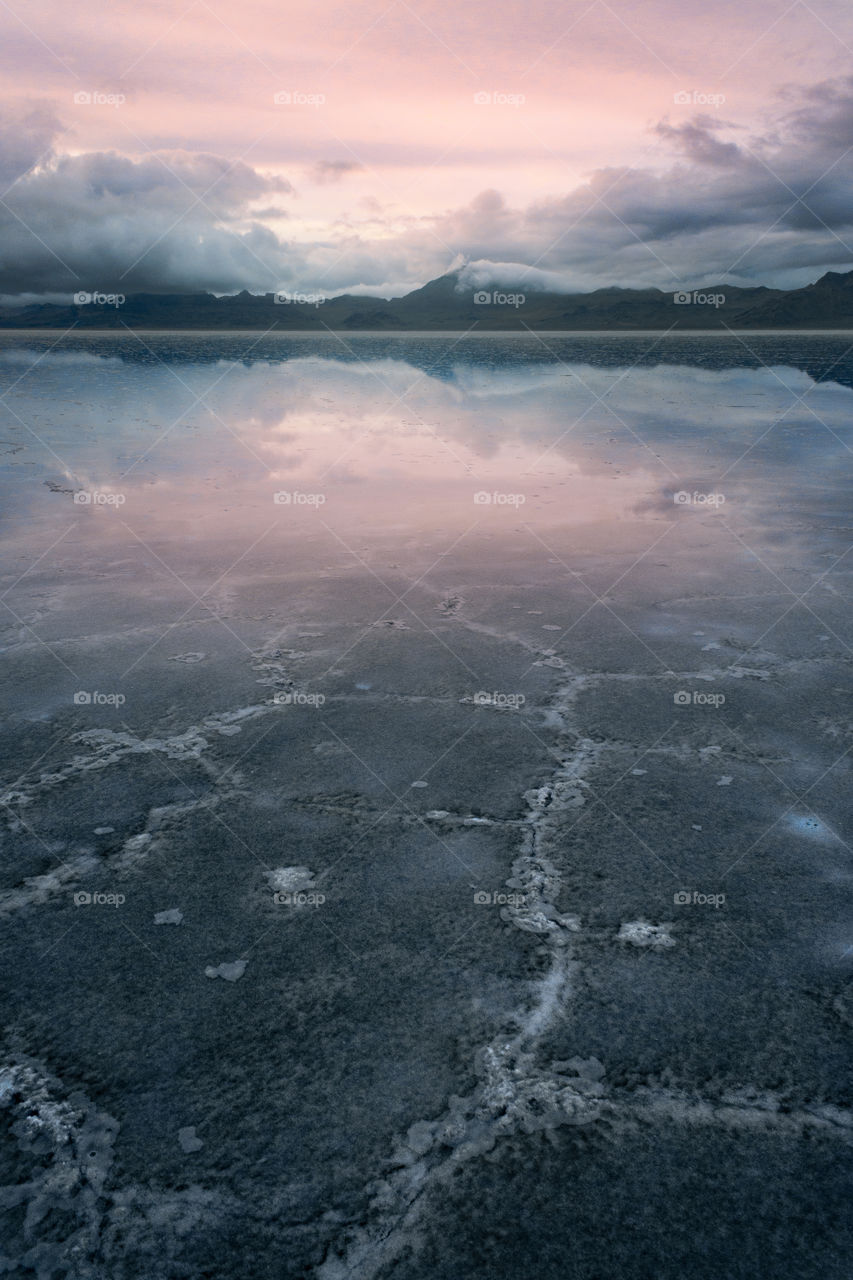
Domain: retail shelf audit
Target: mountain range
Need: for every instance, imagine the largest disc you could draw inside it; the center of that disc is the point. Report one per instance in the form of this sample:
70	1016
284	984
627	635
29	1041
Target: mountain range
444	304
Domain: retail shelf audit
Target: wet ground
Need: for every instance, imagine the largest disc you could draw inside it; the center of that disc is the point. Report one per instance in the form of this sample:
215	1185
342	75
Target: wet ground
426	807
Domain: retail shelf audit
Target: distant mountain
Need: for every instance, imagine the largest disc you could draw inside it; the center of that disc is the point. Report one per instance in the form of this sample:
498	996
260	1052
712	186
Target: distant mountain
445	305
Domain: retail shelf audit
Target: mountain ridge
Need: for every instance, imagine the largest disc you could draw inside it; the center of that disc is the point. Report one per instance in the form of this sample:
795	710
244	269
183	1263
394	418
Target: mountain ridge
441	304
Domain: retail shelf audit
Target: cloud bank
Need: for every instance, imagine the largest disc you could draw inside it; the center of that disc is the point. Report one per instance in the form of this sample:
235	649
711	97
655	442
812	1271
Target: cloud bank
771	205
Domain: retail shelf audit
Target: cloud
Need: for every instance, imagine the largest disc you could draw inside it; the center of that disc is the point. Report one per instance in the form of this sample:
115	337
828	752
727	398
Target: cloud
767	206
28	132
168	221
697	141
773	204
333	170
476	275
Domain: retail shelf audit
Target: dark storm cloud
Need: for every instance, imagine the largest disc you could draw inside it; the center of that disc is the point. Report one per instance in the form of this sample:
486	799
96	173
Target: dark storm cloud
753	207
164	222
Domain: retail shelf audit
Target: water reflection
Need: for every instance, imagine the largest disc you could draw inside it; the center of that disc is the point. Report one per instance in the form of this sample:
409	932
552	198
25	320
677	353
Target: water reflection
200	447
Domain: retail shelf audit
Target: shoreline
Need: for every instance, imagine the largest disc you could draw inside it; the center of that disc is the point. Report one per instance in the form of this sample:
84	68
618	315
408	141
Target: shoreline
436	333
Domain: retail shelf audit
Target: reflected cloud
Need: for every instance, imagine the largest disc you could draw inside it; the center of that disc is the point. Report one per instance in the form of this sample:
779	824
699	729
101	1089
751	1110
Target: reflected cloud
389	442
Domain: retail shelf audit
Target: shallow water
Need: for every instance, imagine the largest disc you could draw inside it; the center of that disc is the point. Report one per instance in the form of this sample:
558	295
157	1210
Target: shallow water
529	658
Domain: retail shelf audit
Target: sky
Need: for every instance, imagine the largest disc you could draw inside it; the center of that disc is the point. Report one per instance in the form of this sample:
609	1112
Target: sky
371	146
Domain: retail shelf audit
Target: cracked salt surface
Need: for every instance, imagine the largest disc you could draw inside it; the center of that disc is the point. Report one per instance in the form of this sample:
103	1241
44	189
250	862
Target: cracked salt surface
514	1093
109	746
517	1091
37	890
65	1146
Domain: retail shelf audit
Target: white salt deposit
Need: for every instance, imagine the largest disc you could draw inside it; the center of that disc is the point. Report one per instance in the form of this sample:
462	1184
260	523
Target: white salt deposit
173	916
188	1140
642	934
230	972
290	879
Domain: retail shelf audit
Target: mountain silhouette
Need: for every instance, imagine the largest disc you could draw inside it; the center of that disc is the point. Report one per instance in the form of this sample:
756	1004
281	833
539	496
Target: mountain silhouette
447	304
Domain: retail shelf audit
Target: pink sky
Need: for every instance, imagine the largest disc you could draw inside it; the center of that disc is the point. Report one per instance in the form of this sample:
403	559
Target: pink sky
373	175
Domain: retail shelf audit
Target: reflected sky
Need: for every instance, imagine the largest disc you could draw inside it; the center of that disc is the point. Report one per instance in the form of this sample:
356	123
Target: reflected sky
573	514
197	442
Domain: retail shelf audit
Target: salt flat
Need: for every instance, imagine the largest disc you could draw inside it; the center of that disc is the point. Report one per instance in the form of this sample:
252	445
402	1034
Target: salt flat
465	729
